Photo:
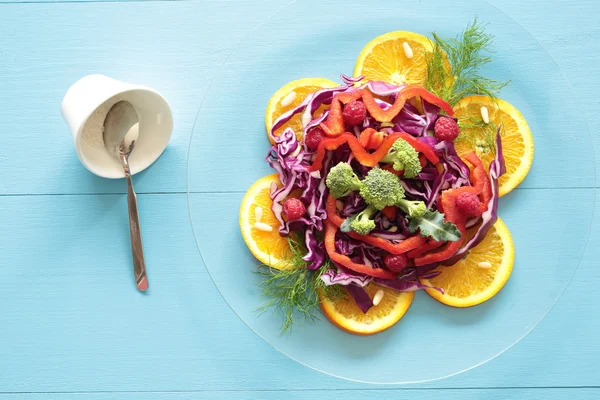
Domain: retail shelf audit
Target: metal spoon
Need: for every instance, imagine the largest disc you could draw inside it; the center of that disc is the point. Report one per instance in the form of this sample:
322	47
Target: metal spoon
120	133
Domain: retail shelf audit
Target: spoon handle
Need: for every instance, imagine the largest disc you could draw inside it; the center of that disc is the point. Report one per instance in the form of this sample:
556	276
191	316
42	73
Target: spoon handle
137	250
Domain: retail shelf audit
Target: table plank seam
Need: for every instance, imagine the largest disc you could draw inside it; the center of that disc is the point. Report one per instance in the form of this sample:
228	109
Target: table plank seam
224	192
371	389
88	2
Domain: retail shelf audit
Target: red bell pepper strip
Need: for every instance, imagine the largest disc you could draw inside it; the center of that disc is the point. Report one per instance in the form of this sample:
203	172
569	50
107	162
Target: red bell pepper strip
404	246
480	180
331	209
391	169
411	91
447	251
381	115
390	212
421	147
422	160
481	186
408	92
330	230
447	203
443	200
362	156
430	245
334	125
400	248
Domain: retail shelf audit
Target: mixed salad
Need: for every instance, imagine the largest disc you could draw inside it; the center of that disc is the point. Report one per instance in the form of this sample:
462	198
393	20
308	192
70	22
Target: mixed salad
370	190
381	197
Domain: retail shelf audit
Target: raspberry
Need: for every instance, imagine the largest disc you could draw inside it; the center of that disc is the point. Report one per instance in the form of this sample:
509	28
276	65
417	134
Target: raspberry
468	204
293	209
395	262
446	128
355	112
313	138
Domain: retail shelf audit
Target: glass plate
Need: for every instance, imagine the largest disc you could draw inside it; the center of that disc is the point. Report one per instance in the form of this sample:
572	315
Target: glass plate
432	341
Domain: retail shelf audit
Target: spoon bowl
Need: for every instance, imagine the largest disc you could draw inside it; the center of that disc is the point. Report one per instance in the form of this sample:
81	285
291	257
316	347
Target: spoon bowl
121	129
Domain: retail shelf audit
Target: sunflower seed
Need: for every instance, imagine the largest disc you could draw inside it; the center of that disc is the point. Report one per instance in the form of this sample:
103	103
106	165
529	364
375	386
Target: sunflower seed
485	116
378	297
289	99
261	226
258	213
407	50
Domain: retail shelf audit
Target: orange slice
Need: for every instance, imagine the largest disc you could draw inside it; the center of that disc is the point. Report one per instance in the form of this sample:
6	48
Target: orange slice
267	246
517	141
480	275
283	100
345	314
385	58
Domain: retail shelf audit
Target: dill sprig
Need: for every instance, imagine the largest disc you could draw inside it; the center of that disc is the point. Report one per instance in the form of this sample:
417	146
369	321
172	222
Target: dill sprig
294	292
479	135
453	66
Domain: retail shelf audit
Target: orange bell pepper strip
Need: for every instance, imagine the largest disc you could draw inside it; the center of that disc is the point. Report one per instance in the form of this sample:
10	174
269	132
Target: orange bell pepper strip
362	156
376	140
334	125
399	248
365	137
371	139
330	231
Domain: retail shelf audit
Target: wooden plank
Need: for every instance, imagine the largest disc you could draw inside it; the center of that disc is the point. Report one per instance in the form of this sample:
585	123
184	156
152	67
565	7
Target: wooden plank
105	1
72	1
73	321
371	394
59	332
176	47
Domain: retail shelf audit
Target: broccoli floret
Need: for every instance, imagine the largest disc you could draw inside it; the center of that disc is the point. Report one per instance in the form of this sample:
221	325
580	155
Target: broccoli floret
362	223
403	157
342	180
413	209
381	188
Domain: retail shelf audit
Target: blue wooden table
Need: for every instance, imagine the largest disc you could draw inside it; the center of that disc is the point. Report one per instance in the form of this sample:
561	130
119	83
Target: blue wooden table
71	323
